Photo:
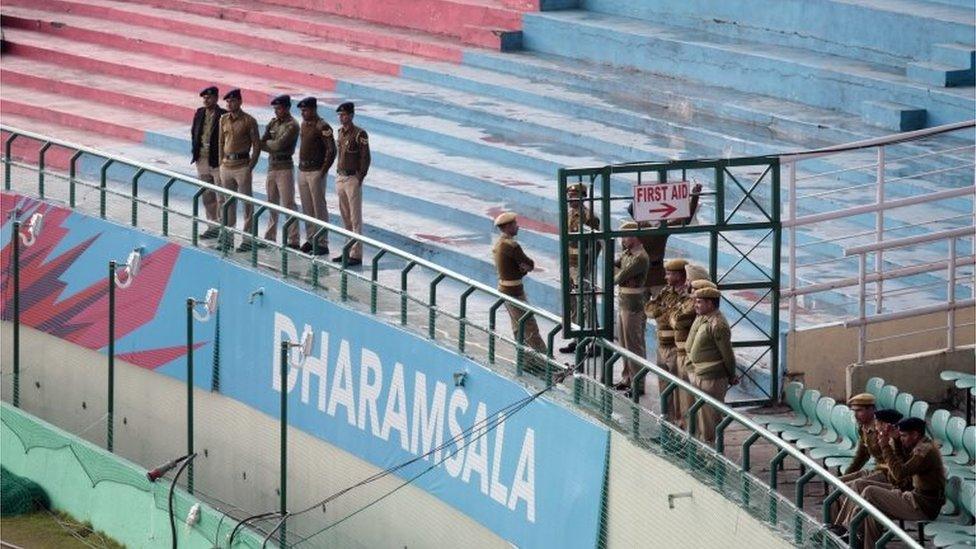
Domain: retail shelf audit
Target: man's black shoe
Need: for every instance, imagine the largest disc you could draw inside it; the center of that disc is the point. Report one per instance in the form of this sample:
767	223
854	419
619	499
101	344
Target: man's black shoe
323	251
354	261
210	234
571	348
307	247
294	246
245	246
337	259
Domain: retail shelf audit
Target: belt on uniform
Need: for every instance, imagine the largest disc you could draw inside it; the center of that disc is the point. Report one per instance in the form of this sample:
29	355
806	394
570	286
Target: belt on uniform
681	345
237	156
346	172
625	291
666	333
280	156
308	165
510	283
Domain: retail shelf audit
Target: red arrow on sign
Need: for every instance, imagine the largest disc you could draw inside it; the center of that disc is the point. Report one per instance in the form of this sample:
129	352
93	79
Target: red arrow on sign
666	211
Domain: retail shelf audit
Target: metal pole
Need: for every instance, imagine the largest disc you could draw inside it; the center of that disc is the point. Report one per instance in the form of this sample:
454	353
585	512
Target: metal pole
792	250
283	458
951	298
190	302
861	306
111	355
879	229
15	265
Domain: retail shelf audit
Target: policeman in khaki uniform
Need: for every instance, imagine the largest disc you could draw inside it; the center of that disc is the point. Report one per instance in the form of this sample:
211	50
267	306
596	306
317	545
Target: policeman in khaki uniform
203	149
279	140
921	461
316	154
660	308
512	265
239	147
579	217
631	318
681	320
711	361
351	169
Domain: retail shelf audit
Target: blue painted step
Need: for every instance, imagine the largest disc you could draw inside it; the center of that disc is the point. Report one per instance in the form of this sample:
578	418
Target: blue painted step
940	75
893	116
817	79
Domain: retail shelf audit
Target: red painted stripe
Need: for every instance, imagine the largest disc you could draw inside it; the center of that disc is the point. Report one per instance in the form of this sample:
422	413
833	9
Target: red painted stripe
99	95
119	69
26	150
172	52
48	114
177	25
347	34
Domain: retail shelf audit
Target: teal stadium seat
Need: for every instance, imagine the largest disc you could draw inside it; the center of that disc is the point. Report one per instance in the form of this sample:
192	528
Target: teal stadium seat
886	398
959	530
937	428
815	427
920	409
804	415
842	420
903	404
952	375
792	395
829	436
873	386
842	461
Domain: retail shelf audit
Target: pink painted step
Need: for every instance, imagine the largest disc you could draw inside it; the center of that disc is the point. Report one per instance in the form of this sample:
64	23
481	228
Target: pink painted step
139	67
309	73
447	17
330	27
140	18
55	157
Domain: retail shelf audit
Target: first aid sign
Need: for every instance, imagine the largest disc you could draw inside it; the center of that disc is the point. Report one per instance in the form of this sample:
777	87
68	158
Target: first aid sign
662	201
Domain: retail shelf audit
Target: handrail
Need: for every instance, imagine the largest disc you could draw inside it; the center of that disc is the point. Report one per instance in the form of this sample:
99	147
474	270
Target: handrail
910	241
878	141
870	208
646	365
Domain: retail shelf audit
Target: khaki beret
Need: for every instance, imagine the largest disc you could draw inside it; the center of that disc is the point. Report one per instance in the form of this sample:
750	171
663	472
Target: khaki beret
696	272
702	283
578	188
708	293
503	218
863	399
675	264
628	225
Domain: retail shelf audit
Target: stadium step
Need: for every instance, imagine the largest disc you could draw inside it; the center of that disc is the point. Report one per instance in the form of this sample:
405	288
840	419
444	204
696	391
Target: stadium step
778	71
893	116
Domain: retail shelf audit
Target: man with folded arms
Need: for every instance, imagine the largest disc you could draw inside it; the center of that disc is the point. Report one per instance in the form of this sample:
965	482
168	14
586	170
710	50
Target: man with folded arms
279	140
316	154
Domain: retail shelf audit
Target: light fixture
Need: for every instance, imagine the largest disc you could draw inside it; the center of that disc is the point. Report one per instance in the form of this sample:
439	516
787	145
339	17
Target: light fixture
33	228
305	346
132	266
460	378
210	305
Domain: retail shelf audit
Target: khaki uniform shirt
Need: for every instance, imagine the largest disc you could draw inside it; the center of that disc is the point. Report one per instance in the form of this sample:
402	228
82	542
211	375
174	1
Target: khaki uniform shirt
279	140
923	464
578	218
660	309
238	136
353	156
630	279
512	264
710	353
682	317
318	148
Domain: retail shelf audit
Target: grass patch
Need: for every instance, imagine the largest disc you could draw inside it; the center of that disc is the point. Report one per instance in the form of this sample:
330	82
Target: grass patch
52	530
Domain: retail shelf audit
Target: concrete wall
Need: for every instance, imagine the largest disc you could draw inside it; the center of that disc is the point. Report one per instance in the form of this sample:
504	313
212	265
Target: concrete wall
820	356
917	373
238	463
639	516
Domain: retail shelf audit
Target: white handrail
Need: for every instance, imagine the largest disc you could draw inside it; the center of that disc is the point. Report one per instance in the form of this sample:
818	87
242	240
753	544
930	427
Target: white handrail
879	141
910	241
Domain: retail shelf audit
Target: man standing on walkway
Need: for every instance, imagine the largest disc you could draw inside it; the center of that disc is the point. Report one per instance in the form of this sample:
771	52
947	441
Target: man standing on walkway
631	318
512	265
711	359
203	151
239	148
660	308
351	169
681	320
279	140
581	219
316	154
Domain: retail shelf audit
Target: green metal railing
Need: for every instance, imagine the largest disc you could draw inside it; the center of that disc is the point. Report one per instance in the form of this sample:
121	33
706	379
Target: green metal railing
645	427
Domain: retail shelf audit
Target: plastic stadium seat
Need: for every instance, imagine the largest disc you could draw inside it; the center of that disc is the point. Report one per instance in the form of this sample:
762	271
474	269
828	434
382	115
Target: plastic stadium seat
952	375
953	533
843	460
791	394
967	382
920	409
955	431
841	419
903	404
937	426
804	414
810	406
886	398
873	386
825	409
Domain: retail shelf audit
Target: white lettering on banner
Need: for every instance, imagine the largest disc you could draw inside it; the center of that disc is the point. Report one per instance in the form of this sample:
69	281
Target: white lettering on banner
430	410
662	201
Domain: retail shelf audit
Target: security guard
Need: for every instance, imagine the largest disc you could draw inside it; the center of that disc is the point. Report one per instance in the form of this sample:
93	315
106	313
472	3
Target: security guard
631	318
922	462
316	154
710	357
351	169
512	265
682	318
203	151
239	147
579	217
660	308
279	140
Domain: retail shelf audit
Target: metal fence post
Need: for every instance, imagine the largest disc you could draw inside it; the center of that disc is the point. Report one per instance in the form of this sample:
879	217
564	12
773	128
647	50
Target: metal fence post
41	154
72	172
15	266
951	299
135	201
463	318
190	302
792	250
103	186
879	229
111	355
283	456
8	159
862	333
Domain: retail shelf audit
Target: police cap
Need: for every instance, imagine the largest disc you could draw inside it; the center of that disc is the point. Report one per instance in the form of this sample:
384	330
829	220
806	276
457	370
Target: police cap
347	107
232	94
702	283
209	90
309	102
912	425
675	264
628	225
505	218
696	272
888	416
862	400
283	100
708	293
